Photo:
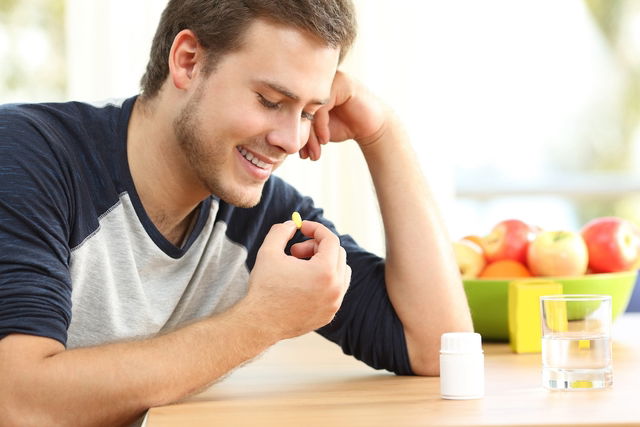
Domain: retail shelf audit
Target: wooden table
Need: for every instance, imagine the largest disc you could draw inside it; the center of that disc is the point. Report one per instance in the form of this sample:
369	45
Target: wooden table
308	382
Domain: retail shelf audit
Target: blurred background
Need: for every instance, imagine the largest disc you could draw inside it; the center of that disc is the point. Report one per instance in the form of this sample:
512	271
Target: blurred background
524	109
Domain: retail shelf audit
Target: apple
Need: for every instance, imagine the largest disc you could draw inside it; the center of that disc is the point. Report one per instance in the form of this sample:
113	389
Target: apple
558	253
474	238
613	244
469	258
509	239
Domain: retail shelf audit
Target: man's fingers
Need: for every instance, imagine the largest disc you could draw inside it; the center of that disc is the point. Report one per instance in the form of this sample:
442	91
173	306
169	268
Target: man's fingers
304	249
304	153
308	248
327	243
323	242
313	146
279	235
321	125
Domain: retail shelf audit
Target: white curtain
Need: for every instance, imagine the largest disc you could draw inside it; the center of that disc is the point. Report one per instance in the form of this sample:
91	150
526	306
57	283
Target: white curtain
108	44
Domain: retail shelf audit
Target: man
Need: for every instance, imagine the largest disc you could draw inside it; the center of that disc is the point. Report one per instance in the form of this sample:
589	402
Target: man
146	246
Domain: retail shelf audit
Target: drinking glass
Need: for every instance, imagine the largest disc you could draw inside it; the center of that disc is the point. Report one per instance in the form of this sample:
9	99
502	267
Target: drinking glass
576	342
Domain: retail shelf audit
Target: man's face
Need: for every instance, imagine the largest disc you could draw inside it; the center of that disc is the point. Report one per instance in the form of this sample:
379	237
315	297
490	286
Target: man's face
254	109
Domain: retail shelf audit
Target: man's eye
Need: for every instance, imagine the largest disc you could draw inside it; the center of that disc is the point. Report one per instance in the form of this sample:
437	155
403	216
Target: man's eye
270	105
307	116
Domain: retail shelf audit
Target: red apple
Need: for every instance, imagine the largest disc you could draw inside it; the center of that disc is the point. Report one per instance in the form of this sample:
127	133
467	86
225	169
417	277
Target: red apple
509	239
558	253
469	258
613	244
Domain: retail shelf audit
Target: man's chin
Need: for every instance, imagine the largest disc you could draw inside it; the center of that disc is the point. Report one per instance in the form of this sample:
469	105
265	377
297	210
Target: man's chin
242	200
244	204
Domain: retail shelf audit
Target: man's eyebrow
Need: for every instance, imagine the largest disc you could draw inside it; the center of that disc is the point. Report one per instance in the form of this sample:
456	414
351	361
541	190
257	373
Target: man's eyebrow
286	92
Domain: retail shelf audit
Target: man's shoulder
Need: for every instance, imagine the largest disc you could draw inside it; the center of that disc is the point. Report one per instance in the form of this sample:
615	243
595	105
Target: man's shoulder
25	133
71	149
19	118
20	113
45	117
66	130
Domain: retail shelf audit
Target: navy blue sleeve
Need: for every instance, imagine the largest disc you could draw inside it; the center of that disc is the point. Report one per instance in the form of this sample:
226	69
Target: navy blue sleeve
35	287
366	326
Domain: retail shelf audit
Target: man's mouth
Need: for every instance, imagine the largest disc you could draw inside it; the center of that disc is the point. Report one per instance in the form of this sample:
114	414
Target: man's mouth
253	159
268	163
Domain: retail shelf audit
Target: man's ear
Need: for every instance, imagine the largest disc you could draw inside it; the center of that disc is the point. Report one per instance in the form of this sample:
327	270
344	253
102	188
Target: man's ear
185	59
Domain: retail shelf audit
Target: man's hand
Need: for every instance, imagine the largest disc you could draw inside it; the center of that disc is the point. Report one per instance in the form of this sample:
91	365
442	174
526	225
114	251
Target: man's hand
352	113
292	295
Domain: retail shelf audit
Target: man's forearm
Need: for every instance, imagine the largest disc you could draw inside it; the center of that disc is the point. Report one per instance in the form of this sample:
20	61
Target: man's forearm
113	384
422	277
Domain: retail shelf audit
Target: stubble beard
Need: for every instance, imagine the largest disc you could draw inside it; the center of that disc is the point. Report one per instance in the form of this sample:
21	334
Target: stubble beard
207	160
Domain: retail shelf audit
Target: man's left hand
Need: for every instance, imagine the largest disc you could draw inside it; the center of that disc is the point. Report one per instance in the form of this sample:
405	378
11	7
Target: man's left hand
352	113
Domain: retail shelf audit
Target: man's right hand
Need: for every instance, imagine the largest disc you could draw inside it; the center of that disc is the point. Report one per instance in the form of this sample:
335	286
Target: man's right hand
294	294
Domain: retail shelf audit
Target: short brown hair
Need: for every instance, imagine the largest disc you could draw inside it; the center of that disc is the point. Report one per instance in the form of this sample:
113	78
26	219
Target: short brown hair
220	26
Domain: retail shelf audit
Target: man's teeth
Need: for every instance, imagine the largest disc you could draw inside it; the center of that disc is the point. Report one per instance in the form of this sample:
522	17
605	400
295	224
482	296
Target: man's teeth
252	159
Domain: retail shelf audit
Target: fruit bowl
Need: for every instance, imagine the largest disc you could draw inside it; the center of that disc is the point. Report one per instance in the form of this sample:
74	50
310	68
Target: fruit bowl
488	298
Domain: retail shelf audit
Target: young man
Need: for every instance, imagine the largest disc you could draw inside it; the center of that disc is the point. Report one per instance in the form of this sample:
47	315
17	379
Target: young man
146	246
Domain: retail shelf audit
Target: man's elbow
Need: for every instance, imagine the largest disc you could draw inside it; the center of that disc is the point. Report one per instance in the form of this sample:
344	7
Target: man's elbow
427	366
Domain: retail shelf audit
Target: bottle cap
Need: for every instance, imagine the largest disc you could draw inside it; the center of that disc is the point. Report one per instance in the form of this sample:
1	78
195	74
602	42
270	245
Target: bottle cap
460	342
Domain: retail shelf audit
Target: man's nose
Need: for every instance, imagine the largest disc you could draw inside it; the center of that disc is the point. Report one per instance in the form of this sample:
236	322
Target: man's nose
289	134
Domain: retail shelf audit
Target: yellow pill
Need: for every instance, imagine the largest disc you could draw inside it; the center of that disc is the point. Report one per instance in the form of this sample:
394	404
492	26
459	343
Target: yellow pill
584	344
297	219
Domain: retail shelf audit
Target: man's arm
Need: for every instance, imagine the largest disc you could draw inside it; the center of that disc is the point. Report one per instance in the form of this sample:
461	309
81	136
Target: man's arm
422	278
113	384
44	384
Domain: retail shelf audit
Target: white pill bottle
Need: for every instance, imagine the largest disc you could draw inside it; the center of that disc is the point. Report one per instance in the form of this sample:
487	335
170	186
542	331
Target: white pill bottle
461	366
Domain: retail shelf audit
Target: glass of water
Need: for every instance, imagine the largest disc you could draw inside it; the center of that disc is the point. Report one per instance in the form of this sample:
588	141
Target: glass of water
576	342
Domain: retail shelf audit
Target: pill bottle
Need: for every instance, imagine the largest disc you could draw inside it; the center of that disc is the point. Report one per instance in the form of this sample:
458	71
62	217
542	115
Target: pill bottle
461	366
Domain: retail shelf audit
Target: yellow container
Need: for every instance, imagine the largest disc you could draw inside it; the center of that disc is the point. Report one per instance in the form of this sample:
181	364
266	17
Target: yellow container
525	334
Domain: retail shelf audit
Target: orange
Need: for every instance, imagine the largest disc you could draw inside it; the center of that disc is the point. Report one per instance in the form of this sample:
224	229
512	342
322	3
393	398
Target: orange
505	269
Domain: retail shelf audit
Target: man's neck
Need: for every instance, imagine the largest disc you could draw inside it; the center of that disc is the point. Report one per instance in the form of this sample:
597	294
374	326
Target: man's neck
157	167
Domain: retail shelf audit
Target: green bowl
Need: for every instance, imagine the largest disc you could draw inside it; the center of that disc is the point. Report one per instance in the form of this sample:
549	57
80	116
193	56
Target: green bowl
488	298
